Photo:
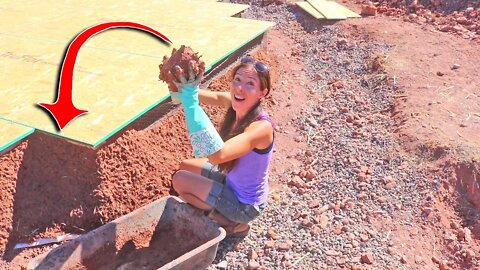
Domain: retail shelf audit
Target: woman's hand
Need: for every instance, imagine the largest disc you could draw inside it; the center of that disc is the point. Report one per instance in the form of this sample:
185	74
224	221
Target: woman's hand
182	81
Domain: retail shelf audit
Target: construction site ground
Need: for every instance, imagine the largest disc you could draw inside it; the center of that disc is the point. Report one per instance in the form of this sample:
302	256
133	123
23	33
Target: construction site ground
376	162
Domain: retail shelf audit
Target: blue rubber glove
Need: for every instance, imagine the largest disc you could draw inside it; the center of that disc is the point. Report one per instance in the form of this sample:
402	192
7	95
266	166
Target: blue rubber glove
203	135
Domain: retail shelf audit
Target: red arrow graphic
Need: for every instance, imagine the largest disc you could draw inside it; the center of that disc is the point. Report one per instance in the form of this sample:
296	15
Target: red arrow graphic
63	110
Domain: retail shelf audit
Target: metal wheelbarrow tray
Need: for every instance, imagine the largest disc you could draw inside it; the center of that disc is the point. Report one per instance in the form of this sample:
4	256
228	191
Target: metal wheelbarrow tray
165	234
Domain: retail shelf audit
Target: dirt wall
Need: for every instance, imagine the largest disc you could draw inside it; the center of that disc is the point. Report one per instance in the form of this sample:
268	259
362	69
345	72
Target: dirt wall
50	186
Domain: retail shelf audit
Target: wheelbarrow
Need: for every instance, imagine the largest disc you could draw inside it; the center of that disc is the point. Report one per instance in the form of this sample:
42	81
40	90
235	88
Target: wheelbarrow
165	234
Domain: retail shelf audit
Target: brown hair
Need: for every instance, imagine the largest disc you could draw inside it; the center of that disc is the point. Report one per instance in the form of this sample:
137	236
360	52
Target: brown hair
227	131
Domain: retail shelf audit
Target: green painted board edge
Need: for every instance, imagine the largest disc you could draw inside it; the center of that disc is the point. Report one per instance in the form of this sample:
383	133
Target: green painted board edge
100	141
271	24
17	139
49	132
95	145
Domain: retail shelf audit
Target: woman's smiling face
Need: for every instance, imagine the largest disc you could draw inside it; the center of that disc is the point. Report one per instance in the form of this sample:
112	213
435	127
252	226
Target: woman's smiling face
246	90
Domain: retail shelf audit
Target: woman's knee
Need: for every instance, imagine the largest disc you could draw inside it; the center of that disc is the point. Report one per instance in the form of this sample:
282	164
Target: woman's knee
178	180
188	182
194	165
185	164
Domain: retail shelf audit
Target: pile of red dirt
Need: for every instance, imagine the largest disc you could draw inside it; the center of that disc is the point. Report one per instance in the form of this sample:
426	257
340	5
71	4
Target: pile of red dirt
51	186
459	17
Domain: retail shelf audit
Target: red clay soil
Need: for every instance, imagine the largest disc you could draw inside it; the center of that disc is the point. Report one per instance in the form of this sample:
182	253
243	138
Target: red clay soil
149	250
49	186
437	110
459	17
178	64
437	115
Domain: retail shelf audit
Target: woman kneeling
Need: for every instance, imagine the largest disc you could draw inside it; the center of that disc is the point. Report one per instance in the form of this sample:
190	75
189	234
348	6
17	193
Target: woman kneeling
232	183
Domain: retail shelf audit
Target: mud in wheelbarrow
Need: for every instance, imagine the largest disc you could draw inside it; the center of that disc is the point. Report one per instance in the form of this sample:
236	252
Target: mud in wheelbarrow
165	234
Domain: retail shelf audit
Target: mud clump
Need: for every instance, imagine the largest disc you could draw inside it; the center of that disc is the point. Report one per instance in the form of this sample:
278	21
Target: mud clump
379	63
179	63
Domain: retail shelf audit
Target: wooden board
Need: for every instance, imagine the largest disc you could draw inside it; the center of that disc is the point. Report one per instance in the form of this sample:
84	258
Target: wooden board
331	12
10	133
116	73
310	10
344	10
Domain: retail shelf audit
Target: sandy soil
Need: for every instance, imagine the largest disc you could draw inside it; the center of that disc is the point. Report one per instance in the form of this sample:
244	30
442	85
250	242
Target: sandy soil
344	129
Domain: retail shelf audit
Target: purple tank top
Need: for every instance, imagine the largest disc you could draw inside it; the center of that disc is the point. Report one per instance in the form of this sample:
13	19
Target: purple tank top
249	178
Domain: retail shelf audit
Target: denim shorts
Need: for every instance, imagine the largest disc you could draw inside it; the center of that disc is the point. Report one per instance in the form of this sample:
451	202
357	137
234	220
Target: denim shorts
224	200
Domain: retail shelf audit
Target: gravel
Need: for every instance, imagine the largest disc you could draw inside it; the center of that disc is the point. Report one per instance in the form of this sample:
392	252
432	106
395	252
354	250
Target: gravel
349	159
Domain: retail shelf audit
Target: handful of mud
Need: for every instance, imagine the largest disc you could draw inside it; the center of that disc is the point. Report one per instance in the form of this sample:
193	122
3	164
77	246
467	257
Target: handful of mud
179	63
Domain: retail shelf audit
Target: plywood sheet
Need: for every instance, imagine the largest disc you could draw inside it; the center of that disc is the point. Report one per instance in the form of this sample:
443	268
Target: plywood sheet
61	23
40	10
115	87
344	10
310	10
116	72
331	12
10	133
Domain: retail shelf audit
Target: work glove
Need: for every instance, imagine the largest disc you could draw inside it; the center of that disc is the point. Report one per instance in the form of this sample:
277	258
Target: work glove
203	136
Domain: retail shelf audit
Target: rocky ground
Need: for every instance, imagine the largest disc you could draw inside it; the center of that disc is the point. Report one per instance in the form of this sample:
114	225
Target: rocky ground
376	161
348	195
459	17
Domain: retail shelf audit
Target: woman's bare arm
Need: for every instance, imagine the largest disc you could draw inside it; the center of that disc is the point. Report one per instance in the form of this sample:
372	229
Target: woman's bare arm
258	135
215	98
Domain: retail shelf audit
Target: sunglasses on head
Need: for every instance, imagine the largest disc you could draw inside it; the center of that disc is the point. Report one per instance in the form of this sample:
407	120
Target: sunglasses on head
259	66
